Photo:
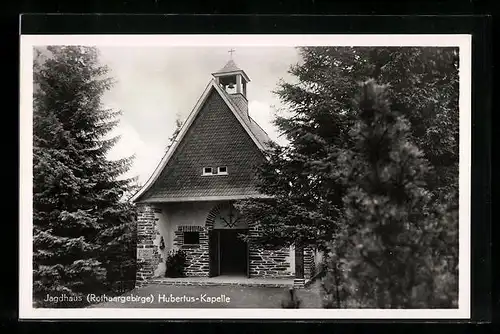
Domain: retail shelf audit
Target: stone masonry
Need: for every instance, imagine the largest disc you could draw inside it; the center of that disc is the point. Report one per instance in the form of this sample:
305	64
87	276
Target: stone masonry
267	262
263	262
197	257
309	266
148	256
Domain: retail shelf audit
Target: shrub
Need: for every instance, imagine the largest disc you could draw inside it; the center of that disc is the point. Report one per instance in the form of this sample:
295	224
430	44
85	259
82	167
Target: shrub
175	264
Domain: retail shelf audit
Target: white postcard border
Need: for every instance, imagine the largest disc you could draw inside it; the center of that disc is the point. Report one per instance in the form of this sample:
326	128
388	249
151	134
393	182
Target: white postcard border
26	310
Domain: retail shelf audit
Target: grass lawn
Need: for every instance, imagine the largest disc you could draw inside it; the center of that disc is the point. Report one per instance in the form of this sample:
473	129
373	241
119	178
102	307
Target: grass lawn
165	296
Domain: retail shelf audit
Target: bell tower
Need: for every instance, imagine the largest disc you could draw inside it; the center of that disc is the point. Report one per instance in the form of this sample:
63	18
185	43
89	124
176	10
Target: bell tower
234	82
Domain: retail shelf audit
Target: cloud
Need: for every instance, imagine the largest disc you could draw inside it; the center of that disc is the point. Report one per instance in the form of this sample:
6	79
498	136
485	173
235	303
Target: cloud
147	155
264	115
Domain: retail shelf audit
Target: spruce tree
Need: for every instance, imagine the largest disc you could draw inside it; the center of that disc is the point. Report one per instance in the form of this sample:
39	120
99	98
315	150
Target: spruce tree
83	230
395	247
307	204
319	113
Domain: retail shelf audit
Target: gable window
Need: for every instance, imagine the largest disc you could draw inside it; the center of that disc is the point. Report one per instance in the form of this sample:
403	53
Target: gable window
191	238
207	171
222	170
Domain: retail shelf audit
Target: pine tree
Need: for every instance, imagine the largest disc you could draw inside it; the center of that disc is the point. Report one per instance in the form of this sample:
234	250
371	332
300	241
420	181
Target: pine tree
83	229
393	247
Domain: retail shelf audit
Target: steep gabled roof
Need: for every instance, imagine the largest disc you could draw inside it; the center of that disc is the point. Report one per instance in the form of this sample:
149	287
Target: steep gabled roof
254	127
255	132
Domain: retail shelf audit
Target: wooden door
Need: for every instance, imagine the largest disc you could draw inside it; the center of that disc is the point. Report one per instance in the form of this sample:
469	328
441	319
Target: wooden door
213	244
248	257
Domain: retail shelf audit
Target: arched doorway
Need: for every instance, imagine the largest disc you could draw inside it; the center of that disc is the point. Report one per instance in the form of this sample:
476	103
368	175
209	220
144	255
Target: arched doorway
228	252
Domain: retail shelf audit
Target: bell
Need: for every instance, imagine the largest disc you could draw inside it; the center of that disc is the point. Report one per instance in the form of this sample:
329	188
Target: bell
231	86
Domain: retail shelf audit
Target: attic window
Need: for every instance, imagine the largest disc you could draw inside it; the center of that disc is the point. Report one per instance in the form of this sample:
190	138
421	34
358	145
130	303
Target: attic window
222	170
207	171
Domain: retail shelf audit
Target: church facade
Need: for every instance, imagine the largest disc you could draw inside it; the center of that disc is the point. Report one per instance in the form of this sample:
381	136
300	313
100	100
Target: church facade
188	201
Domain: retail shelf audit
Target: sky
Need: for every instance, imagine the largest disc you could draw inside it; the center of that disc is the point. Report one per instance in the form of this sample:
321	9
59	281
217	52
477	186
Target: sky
155	86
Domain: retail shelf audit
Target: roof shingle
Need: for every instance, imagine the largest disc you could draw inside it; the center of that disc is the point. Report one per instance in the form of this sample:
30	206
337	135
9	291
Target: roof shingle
215	138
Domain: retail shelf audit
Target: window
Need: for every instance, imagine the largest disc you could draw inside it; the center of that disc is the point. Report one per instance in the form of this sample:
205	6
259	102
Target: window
222	170
191	238
207	171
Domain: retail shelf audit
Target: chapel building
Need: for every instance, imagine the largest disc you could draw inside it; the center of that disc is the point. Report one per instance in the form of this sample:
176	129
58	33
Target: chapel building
188	201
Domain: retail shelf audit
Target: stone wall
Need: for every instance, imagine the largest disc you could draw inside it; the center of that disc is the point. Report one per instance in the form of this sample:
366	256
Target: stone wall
197	256
309	265
148	256
267	262
262	262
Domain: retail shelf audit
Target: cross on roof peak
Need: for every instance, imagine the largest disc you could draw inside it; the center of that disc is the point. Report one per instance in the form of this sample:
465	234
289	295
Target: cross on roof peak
231	53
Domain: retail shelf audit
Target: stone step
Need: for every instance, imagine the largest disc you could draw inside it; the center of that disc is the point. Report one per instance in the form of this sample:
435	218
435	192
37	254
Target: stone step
219	283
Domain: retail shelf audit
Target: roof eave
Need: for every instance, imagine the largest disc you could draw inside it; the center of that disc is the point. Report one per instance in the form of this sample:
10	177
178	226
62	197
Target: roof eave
202	198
